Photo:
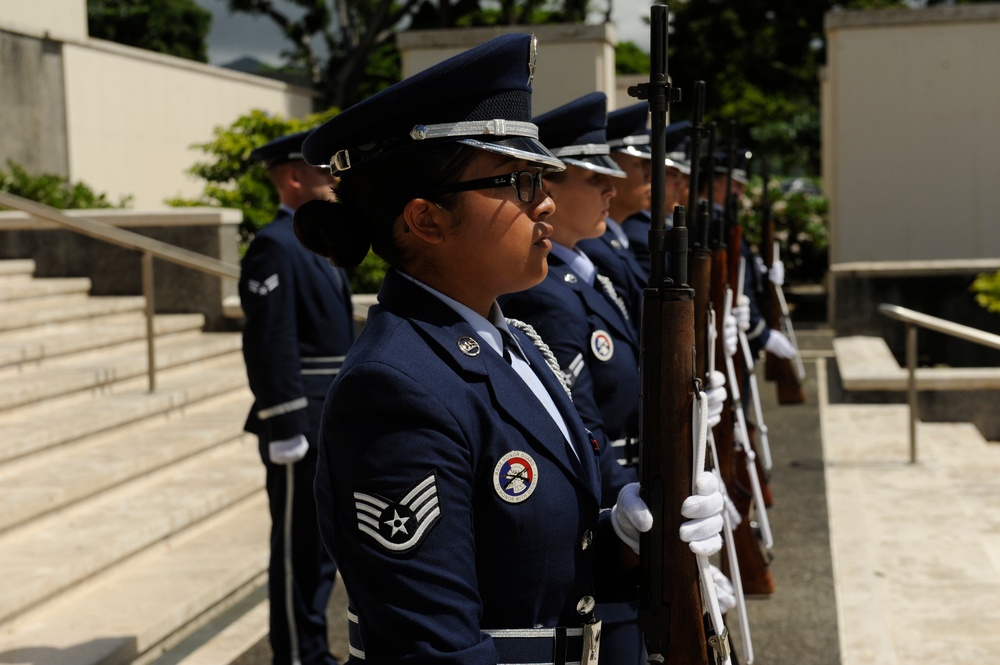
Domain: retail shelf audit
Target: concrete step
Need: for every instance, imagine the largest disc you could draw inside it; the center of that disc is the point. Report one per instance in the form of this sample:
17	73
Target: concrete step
53	479
14	316
31	289
133	613
53	554
17	268
29	345
98	370
33	428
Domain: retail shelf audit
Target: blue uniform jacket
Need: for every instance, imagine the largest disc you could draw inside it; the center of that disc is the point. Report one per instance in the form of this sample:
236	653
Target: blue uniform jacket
446	493
577	320
618	264
753	288
299	325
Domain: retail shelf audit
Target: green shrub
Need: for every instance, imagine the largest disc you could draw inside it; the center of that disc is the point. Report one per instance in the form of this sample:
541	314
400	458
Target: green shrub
54	190
987	290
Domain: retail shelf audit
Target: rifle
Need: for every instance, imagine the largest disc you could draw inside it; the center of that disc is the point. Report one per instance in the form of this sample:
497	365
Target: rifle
780	370
753	568
670	609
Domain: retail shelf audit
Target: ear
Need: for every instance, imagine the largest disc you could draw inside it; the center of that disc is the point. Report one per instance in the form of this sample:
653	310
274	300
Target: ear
425	220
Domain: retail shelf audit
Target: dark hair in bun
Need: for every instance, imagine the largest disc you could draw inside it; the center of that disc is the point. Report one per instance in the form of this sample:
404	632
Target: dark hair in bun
369	200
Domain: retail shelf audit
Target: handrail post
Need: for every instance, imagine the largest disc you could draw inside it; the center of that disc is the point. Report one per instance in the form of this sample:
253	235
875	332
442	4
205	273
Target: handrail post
911	386
147	292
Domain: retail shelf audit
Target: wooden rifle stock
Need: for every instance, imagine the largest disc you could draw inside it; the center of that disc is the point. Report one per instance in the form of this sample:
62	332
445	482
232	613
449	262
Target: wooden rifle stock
670	607
780	370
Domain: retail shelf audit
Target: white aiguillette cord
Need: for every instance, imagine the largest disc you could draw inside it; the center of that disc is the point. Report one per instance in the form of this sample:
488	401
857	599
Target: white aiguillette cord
699	417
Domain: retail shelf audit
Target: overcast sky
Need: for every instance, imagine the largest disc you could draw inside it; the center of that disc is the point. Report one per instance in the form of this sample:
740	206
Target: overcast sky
236	35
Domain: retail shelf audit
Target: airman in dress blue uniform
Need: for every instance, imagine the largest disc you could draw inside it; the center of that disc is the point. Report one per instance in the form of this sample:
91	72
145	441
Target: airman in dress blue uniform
457	487
298	327
587	324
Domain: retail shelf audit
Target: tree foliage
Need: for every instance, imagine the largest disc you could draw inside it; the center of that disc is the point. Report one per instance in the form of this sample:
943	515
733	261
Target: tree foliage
54	190
987	289
174	27
359	35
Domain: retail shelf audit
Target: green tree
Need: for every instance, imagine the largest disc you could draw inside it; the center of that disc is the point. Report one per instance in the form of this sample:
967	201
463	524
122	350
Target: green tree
987	289
233	180
54	190
174	27
359	35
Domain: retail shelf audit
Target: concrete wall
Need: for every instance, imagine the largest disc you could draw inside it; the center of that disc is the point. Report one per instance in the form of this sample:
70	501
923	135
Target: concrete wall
122	119
911	125
60	18
573	60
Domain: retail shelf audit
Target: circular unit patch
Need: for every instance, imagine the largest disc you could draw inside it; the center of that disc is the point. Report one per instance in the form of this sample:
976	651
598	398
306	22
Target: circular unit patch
602	345
515	476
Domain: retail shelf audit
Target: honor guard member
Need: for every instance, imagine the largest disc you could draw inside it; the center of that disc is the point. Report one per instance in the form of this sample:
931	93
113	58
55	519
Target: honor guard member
457	487
581	317
298	326
629	141
746	309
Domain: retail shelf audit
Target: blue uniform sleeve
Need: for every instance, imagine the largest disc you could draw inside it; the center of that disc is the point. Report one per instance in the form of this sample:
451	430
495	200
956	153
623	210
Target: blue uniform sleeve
270	340
759	331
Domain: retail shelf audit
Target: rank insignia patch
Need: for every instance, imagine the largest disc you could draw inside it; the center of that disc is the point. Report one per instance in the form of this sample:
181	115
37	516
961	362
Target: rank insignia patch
515	477
602	345
399	526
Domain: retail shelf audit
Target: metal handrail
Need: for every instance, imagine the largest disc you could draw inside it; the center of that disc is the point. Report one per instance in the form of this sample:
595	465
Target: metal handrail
149	247
914	319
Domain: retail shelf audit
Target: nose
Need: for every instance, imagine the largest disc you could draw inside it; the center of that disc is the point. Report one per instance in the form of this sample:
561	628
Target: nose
542	207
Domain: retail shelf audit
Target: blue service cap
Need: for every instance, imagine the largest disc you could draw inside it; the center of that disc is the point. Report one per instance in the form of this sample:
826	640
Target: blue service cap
575	133
627	130
678	140
741	164
481	98
287	148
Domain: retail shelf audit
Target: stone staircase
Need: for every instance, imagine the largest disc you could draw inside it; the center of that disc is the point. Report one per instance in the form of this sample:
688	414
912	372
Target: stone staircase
134	525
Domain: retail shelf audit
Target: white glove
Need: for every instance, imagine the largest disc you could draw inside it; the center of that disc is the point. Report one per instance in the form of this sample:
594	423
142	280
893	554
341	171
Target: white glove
742	312
777	273
734	514
716	396
723	589
730	334
704	513
631	516
288	451
779	345
759	262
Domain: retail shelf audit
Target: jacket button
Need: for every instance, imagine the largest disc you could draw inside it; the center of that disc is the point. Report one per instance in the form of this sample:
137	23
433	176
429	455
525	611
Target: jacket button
588	537
586	605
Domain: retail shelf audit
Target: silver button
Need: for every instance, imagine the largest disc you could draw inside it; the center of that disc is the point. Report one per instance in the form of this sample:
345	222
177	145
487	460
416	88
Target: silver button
586	605
588	537
569	278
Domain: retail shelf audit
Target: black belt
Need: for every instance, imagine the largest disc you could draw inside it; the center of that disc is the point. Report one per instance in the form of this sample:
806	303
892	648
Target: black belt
628	450
516	646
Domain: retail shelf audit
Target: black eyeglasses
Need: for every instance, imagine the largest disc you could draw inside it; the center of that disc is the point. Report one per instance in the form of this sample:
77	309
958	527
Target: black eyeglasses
525	183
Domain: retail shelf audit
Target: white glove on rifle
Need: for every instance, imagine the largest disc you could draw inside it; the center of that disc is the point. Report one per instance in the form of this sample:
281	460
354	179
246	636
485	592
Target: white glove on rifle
288	451
730	334
734	514
716	396
631	516
779	345
704	513
742	312
777	273
723	589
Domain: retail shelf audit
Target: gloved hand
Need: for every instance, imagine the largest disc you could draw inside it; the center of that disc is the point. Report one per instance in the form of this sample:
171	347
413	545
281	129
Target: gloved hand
723	589
730	334
779	345
704	513
734	514
777	273
742	312
288	451
715	393
631	516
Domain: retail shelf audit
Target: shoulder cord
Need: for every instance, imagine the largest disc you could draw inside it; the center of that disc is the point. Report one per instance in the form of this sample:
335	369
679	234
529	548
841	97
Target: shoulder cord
546	352
609	289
